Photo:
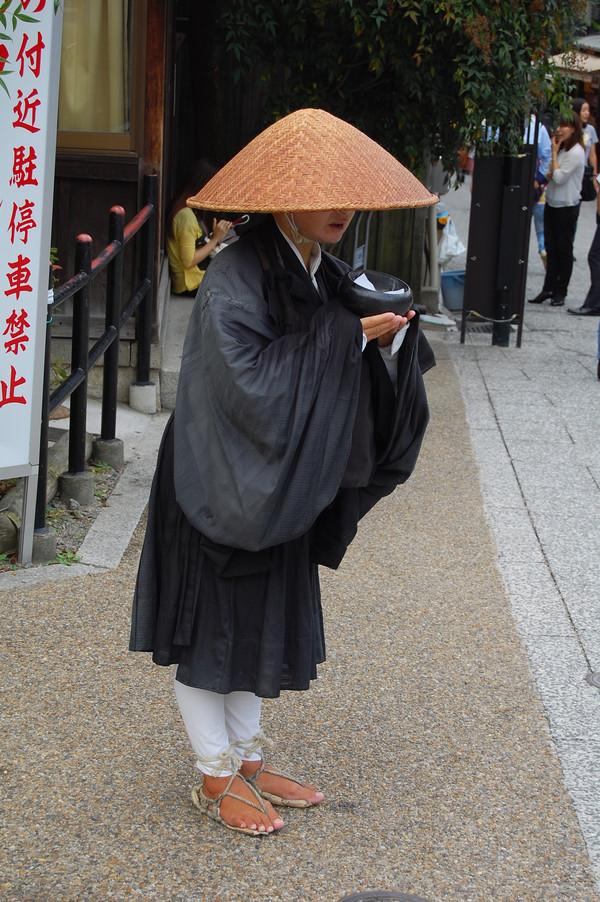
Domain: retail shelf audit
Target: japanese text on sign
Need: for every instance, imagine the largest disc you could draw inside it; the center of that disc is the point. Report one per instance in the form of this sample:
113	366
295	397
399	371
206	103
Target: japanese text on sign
27	130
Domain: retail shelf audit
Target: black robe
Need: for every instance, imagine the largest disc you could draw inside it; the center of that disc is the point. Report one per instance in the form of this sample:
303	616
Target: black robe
284	435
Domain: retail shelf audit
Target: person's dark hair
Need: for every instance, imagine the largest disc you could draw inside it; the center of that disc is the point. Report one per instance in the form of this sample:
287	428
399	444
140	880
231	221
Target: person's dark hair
577	137
577	103
200	173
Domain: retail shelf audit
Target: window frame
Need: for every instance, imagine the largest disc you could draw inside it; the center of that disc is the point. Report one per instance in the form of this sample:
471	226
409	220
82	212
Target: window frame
119	142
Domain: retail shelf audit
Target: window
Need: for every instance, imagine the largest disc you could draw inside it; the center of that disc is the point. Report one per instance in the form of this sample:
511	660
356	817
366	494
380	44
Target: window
101	65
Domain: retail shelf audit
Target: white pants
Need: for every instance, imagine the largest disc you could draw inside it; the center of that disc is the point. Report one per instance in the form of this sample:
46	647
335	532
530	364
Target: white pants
223	729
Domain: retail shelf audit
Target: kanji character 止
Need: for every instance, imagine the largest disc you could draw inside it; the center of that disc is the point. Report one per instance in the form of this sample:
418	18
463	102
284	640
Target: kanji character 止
31	56
22	221
8	392
19	278
26	109
24	167
16	324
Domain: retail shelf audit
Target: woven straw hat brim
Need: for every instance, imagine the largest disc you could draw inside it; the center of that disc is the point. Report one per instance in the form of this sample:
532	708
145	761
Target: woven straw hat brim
311	161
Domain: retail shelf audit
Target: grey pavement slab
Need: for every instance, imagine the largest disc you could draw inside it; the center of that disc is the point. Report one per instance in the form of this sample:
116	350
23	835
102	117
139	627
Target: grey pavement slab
590	639
583	781
424	729
573	706
519	541
546	407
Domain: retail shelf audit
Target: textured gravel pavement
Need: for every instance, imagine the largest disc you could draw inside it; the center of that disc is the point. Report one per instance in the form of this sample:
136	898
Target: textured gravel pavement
425	729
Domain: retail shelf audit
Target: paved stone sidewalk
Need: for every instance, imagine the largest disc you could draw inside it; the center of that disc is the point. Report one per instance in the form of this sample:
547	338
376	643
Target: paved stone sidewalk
425	728
534	415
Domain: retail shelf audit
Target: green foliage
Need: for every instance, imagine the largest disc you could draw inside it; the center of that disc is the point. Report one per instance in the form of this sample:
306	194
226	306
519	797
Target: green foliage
8	560
67	557
59	370
56	515
417	75
100	466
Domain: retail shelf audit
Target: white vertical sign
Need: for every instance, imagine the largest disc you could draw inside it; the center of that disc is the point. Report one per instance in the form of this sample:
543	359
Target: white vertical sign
30	39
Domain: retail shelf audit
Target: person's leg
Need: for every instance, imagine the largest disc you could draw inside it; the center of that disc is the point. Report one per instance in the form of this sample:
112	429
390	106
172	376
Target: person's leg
203	714
591	304
538	223
593	296
550	238
551	260
242	717
242	720
568	227
564	221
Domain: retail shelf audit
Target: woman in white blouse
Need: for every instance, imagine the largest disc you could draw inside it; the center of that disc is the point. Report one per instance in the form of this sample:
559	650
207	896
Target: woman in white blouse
563	197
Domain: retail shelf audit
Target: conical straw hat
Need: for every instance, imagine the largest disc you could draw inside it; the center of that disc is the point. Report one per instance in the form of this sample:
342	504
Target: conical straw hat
311	160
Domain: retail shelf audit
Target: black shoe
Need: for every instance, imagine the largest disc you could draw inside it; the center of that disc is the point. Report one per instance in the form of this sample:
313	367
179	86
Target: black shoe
557	301
540	298
584	311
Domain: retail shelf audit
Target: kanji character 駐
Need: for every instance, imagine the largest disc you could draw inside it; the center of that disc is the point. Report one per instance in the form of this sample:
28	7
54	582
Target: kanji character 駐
25	110
24	167
16	324
30	56
21	221
8	391
19	278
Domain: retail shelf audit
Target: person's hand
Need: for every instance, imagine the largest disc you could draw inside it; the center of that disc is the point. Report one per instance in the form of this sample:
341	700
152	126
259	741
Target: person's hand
384	326
220	229
387	338
556	142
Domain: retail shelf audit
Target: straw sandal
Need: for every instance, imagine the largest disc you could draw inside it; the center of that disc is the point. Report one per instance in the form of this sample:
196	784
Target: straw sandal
212	807
277	800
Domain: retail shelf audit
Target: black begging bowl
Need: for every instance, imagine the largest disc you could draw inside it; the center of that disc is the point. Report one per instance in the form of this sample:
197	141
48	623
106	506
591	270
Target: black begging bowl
388	294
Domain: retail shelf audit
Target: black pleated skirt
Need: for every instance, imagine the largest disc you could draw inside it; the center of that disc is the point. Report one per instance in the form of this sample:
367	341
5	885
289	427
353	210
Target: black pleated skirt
232	620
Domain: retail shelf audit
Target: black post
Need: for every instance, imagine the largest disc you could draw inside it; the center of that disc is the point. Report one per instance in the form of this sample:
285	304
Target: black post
40	501
514	233
114	288
144	317
504	278
79	356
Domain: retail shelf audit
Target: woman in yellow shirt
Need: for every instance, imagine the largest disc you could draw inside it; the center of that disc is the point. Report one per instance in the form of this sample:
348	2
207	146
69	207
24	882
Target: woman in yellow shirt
188	244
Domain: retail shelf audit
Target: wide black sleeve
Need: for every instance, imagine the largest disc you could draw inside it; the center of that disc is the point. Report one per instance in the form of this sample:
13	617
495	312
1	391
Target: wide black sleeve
400	424
263	422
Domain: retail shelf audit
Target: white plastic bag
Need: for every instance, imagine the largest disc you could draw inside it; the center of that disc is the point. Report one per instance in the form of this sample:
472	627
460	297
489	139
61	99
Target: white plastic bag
450	244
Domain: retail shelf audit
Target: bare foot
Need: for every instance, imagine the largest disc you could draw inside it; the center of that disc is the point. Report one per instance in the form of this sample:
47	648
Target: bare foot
238	814
277	785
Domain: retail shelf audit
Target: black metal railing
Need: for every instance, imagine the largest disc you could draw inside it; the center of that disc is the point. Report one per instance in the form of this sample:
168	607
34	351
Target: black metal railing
83	358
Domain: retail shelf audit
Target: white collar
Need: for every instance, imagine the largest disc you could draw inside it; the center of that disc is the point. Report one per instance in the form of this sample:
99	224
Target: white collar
315	256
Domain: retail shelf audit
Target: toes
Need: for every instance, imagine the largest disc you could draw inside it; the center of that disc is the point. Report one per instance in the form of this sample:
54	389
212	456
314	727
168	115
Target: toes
273	816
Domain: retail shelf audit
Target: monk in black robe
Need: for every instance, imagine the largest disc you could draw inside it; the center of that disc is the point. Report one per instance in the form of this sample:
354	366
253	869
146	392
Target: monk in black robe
292	420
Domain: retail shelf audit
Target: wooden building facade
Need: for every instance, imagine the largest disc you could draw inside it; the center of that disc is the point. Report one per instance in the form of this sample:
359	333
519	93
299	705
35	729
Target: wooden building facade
117	97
